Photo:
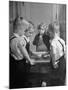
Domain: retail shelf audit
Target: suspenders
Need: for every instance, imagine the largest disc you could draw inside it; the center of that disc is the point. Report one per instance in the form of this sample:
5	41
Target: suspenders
25	40
10	42
12	38
62	45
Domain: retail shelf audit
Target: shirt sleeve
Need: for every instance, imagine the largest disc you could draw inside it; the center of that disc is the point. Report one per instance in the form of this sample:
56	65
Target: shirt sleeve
53	47
22	42
52	55
53	51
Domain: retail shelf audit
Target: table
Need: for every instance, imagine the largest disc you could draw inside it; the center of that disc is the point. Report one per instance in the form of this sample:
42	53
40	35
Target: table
40	71
42	64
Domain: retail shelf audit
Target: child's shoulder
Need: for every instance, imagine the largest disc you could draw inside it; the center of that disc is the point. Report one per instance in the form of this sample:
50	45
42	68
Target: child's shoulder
62	40
53	42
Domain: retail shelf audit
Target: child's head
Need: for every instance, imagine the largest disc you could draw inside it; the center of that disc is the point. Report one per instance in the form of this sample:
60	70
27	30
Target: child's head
30	30
21	26
57	27
42	28
53	29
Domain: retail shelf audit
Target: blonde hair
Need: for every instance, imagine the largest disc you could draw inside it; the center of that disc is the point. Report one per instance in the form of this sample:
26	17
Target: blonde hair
18	23
42	25
54	27
57	27
31	25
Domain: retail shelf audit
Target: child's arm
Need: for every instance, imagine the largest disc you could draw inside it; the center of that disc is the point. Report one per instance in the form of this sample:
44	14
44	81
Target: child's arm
53	57
25	53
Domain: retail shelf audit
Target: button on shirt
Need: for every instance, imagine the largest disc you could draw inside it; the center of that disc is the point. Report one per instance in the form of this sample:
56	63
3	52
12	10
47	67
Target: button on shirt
19	40
57	47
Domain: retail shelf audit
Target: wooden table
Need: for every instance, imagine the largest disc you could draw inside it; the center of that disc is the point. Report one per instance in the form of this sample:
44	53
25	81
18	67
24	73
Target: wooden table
42	65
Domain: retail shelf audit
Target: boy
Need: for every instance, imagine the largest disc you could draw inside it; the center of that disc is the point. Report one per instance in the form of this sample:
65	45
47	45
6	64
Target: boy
57	52
19	52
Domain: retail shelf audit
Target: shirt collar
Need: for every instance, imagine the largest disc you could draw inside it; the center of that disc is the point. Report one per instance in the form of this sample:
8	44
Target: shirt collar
27	38
15	34
55	38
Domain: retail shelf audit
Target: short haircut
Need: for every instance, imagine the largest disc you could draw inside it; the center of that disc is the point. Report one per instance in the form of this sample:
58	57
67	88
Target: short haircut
20	22
31	25
57	26
51	27
42	25
16	23
54	27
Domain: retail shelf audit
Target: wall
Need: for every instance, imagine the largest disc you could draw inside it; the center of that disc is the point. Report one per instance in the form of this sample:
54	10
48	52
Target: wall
37	13
62	20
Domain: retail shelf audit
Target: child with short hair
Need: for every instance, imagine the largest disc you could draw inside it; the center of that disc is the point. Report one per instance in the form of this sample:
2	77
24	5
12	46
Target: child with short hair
57	52
19	52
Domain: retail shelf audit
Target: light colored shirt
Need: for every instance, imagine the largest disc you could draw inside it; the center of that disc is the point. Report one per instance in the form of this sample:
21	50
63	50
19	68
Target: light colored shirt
19	40
57	47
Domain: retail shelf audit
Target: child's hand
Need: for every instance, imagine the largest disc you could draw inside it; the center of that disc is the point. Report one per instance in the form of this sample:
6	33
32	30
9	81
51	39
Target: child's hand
44	84
55	66
39	55
32	61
